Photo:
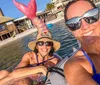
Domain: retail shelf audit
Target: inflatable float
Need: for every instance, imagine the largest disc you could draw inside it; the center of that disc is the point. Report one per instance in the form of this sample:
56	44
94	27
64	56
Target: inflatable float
49	26
56	76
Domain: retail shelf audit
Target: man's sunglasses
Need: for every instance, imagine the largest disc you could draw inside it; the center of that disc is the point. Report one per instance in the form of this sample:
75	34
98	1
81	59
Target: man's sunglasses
47	43
90	17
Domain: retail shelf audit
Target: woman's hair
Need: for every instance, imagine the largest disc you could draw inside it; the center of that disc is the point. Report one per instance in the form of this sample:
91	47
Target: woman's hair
72	2
50	53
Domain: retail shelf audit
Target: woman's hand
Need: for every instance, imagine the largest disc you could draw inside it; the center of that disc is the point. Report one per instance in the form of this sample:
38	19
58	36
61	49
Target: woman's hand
43	69
29	11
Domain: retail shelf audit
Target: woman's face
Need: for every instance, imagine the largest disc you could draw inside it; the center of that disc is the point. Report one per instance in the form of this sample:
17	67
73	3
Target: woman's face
44	46
87	33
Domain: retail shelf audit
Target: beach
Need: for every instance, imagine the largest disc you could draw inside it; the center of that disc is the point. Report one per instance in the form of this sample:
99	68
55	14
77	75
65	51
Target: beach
27	32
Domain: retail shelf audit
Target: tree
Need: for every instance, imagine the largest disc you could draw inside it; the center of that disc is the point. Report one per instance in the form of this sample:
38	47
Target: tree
49	6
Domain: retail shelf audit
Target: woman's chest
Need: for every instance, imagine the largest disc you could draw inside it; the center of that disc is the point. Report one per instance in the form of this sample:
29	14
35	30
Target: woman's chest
40	61
96	62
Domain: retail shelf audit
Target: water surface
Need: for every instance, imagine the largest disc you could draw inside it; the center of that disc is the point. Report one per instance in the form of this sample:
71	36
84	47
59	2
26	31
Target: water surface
11	54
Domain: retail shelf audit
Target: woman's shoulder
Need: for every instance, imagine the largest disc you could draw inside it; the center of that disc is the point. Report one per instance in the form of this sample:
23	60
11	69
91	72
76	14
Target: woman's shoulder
78	62
74	65
76	59
29	54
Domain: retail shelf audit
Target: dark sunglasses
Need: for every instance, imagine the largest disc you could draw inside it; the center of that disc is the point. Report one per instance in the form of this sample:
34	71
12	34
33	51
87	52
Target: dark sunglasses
90	17
41	43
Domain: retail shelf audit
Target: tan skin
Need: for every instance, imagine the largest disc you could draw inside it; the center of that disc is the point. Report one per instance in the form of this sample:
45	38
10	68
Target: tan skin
77	69
3	73
43	50
30	59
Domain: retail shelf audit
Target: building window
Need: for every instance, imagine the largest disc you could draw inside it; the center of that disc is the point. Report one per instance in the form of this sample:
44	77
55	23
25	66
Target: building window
2	27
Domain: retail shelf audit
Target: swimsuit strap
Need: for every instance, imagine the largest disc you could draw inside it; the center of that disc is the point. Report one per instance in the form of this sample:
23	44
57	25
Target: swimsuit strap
45	61
37	60
55	56
88	58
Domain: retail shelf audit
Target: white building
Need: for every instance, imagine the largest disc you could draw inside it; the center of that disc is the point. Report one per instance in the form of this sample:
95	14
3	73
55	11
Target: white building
59	7
59	3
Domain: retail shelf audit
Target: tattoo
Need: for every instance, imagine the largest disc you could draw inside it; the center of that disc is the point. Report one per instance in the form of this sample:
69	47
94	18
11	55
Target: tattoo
39	24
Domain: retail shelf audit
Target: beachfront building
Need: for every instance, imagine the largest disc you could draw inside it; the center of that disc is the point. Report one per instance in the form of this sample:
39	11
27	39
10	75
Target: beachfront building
59	4
7	27
23	23
47	15
59	7
95	1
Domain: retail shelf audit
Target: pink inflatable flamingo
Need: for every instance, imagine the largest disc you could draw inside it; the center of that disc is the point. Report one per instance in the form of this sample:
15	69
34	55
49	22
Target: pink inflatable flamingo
30	12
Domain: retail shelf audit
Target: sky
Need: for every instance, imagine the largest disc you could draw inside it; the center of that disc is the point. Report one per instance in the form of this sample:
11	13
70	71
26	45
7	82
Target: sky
10	10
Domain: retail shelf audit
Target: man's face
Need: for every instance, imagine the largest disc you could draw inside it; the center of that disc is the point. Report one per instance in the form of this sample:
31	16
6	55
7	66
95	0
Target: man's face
87	33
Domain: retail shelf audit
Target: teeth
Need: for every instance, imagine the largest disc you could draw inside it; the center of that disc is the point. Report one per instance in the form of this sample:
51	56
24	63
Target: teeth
89	33
44	50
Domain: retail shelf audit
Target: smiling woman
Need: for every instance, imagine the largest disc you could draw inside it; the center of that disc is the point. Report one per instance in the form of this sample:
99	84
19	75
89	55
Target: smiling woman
42	57
82	19
34	64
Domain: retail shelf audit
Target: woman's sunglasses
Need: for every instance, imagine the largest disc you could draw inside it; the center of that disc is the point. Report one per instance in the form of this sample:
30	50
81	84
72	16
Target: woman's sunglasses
90	17
47	43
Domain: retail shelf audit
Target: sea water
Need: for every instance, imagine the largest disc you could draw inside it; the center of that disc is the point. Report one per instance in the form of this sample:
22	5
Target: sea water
11	54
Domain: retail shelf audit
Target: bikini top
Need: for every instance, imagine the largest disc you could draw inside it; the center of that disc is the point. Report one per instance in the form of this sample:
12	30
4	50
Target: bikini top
96	76
44	61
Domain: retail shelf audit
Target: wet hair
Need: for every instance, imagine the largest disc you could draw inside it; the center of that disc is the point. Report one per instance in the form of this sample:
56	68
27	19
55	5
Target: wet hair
50	53
72	2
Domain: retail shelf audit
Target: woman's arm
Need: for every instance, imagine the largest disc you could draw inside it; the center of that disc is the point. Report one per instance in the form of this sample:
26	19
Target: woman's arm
24	62
22	73
3	73
22	70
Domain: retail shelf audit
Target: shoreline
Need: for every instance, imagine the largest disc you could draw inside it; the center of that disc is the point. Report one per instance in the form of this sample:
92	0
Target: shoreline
25	33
